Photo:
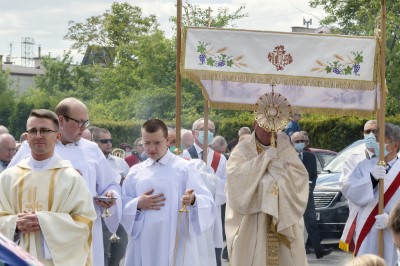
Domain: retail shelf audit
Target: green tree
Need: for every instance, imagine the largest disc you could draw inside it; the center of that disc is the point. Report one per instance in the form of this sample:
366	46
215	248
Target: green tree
359	17
6	97
112	31
61	78
195	16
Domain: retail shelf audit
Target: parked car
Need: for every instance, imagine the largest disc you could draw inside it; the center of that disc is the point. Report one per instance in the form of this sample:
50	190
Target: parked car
323	157
331	206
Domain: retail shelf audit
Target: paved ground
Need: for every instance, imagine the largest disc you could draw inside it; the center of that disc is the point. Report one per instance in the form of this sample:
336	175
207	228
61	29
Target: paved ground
336	258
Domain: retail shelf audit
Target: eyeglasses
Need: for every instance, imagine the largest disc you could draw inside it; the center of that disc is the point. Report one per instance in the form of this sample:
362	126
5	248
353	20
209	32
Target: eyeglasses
8	149
80	123
44	132
202	129
104	141
299	141
368	131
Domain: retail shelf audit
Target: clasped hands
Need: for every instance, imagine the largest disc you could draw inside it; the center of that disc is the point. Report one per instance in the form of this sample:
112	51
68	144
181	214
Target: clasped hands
27	222
150	201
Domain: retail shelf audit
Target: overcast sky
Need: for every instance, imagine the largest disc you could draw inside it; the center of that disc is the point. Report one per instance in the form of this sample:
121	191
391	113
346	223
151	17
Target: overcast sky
46	21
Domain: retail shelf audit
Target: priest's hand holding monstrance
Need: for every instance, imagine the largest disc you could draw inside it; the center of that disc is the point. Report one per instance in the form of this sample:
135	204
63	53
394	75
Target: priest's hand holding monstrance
273	113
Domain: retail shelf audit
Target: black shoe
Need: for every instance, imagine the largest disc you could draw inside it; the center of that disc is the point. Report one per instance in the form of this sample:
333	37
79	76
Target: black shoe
225	254
309	250
321	253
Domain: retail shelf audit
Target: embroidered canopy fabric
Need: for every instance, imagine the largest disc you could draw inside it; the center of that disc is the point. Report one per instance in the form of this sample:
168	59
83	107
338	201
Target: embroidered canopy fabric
314	72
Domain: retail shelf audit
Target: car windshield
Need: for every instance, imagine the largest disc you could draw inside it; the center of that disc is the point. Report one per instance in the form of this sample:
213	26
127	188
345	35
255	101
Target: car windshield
336	165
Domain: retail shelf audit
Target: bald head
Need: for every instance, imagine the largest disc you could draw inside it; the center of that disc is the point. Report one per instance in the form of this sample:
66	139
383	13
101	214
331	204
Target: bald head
73	117
64	107
3	130
297	136
7	147
370	126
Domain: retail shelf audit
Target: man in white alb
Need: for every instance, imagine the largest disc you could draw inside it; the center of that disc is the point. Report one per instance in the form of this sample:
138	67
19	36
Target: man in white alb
86	157
154	191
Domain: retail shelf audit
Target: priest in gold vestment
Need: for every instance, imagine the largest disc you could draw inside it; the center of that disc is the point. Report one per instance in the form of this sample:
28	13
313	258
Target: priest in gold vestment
267	193
45	205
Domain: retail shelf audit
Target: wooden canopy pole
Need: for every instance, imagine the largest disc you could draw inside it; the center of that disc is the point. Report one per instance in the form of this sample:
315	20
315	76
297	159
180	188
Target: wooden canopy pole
205	143
178	150
381	117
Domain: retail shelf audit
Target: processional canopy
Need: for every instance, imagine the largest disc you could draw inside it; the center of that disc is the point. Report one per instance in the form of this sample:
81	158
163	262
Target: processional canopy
315	73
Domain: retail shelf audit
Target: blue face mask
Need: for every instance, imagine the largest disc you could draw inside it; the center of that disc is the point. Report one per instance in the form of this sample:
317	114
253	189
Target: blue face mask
210	136
299	146
370	141
385	151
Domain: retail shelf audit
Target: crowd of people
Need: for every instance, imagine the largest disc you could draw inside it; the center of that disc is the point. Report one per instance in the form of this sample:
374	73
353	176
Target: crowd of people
67	199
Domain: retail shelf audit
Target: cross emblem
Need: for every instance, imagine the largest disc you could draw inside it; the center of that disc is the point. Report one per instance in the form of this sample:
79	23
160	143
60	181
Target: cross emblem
33	204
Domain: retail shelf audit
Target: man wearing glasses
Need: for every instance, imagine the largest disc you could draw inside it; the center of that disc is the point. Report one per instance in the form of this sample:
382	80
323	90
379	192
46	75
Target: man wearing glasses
113	251
310	219
7	150
362	190
53	213
218	163
86	158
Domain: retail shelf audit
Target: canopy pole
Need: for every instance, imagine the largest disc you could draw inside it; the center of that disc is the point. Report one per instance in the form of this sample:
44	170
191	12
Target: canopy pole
381	118
205	143
178	150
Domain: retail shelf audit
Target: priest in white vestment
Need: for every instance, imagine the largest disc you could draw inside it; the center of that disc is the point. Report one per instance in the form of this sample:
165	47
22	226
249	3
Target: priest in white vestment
362	190
153	194
88	159
45	205
265	184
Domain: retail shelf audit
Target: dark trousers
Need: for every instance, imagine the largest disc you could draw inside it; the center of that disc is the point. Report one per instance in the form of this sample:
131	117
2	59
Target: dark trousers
114	251
218	252
310	221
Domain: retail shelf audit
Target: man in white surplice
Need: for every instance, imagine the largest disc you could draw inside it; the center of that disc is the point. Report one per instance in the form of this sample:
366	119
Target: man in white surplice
86	157
44	204
362	190
153	193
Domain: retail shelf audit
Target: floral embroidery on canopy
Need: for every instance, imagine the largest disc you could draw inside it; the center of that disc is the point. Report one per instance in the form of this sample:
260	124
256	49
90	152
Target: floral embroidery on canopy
218	58
342	66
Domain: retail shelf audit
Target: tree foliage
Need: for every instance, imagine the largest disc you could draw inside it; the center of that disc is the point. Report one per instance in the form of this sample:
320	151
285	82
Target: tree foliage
6	97
195	16
114	29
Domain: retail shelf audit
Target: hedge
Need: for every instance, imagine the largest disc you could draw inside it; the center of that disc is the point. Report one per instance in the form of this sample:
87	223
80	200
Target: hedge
325	132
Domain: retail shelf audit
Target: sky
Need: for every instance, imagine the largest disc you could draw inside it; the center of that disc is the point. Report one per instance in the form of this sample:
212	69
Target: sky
46	21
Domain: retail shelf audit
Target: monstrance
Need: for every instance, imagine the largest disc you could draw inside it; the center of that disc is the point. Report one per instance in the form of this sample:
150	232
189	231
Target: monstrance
273	112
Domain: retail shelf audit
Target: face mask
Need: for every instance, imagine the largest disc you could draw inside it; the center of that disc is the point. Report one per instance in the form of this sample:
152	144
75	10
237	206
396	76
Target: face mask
385	151
370	141
172	148
299	147
209	136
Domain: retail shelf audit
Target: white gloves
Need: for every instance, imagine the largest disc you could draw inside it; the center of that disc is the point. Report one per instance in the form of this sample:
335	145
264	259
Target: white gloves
381	220
378	172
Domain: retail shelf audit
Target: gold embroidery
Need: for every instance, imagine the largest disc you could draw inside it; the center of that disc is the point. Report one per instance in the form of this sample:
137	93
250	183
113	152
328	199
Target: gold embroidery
34	204
274	190
272	243
51	190
21	188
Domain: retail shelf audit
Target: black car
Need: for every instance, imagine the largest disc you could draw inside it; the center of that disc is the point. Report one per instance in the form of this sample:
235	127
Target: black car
331	206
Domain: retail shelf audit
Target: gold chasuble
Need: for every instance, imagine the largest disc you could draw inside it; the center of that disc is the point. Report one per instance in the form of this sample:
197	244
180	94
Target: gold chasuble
267	193
63	205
